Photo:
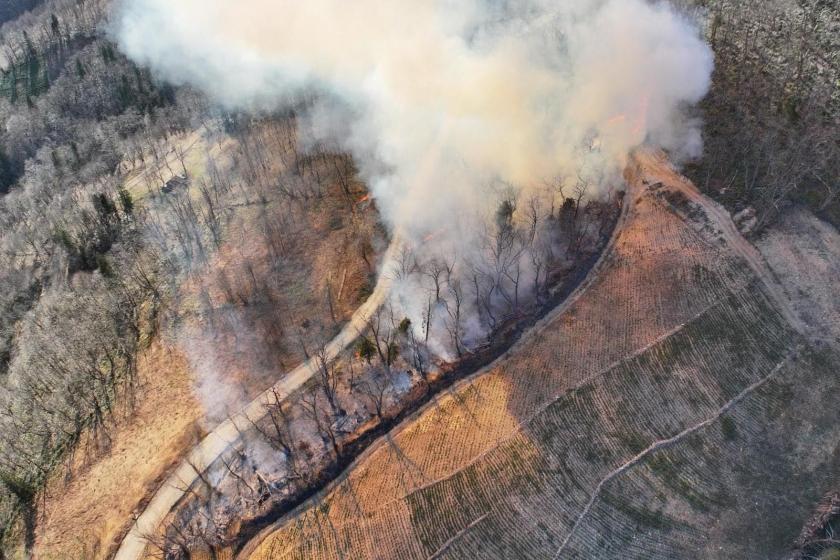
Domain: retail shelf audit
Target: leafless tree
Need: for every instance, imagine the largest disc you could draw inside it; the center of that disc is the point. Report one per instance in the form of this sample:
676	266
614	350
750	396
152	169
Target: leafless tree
454	307
374	388
438	270
328	379
383	332
406	263
328	426
579	192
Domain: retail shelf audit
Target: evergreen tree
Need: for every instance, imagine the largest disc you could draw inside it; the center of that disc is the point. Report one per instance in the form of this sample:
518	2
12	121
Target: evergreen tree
7	173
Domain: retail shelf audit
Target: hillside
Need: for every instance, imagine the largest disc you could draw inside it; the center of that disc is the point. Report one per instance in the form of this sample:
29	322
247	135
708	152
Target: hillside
395	279
662	414
772	113
161	261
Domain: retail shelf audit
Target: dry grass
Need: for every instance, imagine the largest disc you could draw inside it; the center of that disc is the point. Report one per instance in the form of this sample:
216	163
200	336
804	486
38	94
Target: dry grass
290	273
554	450
81	518
804	252
250	307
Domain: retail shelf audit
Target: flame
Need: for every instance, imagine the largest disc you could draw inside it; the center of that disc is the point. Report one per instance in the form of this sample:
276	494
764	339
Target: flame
363	199
432	235
636	123
616	120
641	121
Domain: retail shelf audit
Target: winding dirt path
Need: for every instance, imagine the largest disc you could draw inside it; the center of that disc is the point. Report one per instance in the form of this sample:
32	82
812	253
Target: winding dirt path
631	195
655	162
223	436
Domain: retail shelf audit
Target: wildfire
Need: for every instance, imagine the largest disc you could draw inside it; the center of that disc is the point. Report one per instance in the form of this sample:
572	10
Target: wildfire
638	121
363	199
616	120
432	235
641	122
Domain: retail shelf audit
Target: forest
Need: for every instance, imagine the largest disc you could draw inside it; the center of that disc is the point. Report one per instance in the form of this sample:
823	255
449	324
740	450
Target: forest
119	192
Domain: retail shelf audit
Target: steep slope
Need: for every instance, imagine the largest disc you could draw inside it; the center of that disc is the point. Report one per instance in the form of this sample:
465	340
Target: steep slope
662	414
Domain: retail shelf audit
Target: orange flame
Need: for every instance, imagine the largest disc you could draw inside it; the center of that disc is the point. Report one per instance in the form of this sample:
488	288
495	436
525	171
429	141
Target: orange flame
432	235
641	121
618	119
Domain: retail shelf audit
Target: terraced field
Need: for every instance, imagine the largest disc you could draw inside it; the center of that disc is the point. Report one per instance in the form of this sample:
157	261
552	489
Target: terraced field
673	410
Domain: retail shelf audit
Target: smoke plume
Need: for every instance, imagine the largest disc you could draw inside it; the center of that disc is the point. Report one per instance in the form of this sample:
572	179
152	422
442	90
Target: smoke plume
442	101
448	107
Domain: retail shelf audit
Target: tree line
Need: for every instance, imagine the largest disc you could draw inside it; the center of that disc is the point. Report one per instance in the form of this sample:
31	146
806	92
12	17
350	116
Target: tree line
773	112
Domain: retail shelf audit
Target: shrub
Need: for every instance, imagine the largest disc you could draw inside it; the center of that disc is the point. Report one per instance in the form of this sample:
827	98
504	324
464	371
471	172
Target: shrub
365	290
23	490
127	201
393	352
104	266
365	349
727	426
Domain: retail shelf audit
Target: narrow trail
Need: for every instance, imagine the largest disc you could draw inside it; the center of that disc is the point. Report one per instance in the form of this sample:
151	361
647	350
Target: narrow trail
226	434
631	195
665	443
445	546
721	218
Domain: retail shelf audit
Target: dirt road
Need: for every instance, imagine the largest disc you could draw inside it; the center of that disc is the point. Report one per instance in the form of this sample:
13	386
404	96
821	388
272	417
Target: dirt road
656	164
228	432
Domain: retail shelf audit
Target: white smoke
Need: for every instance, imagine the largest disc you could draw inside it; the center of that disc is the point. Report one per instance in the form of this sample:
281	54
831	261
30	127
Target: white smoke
439	100
446	105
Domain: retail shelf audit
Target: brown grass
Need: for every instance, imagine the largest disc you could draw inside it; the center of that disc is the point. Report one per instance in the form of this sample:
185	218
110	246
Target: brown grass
503	465
253	335
82	517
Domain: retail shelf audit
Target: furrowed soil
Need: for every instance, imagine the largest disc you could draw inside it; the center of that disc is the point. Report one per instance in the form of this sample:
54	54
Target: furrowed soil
679	408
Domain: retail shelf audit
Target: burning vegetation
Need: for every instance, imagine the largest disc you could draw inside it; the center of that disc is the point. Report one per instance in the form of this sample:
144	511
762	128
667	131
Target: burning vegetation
391	267
295	445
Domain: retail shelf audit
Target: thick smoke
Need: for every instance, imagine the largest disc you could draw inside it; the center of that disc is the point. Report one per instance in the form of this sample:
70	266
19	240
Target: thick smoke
447	106
442	101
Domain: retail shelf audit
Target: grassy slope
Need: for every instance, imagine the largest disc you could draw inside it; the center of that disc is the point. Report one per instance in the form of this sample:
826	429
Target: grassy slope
556	449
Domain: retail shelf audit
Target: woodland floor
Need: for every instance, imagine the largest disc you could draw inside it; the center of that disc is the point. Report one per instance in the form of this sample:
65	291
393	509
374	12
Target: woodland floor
91	503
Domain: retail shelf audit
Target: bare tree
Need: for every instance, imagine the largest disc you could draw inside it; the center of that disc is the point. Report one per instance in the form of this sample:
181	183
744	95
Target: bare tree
406	263
454	324
438	270
374	388
555	186
580	190
328	426
181	154
383	332
418	353
328	379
